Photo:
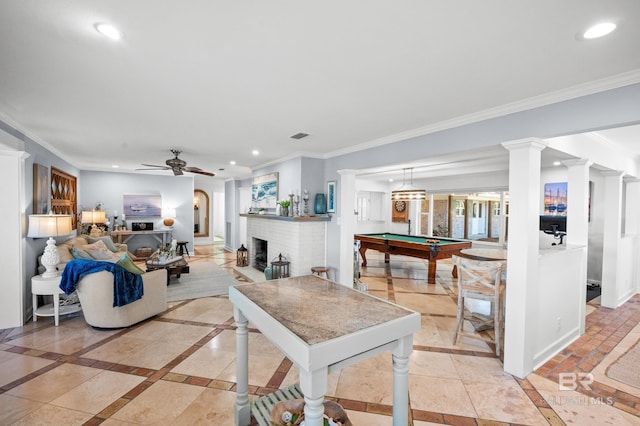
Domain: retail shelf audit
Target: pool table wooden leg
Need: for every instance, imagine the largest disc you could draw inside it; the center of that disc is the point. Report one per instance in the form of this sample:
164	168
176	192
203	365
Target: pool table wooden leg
362	254
431	276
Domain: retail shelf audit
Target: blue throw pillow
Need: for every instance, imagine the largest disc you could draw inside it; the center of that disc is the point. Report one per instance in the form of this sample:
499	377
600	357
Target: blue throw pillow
80	254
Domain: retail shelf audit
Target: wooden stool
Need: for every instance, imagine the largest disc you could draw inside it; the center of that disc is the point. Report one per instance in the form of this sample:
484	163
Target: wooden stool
319	270
182	248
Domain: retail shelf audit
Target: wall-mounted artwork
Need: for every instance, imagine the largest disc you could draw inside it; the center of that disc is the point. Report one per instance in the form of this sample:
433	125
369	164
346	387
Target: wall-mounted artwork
331	196
41	189
142	205
555	198
264	191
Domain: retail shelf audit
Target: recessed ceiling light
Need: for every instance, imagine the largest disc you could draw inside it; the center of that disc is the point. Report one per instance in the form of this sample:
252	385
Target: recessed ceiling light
108	30
233	163
255	152
557	163
599	30
390	180
115	166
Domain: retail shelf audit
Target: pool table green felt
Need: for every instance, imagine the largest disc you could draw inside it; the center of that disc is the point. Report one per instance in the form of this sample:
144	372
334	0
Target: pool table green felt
430	248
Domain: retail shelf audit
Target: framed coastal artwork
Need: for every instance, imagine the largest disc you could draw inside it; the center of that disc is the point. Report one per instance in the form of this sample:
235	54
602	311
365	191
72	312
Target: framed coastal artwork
264	191
142	205
331	196
555	199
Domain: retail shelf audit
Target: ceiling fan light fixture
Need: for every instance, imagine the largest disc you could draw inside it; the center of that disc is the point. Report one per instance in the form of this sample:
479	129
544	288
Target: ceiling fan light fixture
407	192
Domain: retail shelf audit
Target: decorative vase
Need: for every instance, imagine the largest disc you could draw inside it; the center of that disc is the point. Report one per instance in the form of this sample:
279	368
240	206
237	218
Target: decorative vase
321	204
284	211
268	273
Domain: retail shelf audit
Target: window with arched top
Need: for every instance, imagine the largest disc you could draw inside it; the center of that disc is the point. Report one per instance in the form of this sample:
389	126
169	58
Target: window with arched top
200	213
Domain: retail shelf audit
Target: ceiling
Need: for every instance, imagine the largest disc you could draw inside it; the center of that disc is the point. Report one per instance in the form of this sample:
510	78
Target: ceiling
217	80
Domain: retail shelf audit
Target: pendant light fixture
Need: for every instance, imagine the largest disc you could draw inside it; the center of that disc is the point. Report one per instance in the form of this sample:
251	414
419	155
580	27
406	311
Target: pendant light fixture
408	192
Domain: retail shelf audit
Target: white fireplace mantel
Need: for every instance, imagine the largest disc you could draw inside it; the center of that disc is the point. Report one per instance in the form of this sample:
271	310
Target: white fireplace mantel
301	239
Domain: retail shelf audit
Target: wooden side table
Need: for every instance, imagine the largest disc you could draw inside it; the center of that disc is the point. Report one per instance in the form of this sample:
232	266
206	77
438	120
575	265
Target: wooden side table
49	287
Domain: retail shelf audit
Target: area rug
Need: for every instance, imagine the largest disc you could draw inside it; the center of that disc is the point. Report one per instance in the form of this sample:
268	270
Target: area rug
203	280
625	369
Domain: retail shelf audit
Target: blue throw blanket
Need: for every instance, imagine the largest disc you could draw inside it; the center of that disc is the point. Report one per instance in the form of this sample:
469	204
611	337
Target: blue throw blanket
127	287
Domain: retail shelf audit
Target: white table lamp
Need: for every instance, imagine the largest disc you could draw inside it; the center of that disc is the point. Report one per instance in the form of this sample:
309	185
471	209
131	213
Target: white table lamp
49	225
93	217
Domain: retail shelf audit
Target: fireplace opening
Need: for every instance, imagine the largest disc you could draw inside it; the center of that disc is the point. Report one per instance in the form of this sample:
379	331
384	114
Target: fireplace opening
260	261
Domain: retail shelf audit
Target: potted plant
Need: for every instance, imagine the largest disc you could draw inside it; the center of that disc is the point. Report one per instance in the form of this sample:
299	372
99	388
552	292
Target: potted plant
284	207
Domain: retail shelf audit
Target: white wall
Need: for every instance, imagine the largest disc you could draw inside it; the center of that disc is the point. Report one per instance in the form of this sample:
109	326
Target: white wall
109	188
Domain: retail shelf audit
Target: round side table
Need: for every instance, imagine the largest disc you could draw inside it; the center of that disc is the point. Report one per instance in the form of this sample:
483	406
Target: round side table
49	287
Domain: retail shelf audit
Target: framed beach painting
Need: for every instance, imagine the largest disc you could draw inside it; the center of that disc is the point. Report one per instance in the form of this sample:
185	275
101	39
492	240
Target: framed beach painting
264	191
142	205
331	196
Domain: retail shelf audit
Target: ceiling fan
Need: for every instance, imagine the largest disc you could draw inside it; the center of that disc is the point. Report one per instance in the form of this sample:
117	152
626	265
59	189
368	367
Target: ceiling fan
178	166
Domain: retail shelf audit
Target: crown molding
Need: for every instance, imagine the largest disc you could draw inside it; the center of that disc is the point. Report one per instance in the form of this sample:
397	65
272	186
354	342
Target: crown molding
573	92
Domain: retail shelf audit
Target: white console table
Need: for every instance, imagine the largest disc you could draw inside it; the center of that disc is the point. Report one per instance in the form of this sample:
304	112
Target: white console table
163	236
49	287
321	326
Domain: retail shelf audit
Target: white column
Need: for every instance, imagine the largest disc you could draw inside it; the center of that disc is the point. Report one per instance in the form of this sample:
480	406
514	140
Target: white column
578	220
431	207
522	263
242	409
12	255
632	222
612	231
346	220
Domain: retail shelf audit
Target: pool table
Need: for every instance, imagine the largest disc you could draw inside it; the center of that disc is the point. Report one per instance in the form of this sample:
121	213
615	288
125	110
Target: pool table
430	248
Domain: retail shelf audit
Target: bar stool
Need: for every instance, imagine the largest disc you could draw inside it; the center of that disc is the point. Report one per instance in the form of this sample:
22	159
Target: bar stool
319	270
182	248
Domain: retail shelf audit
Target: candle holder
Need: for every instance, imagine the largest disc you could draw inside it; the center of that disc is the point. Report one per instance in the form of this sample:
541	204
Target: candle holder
305	198
291	204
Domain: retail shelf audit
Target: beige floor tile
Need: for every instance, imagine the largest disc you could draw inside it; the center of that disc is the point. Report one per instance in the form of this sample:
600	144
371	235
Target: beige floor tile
410	285
19	366
51	415
261	369
366	385
225	341
155	356
185	334
211	407
206	362
480	369
368	419
14	409
427	303
53	383
98	392
432	364
375	283
440	395
119	349
445	329
508	403
162	403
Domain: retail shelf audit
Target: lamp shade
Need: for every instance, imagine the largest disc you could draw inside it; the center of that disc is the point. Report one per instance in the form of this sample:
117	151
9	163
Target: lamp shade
49	225
94	216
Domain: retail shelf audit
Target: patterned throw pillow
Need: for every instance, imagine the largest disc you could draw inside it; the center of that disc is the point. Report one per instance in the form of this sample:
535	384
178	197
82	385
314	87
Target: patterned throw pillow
98	251
108	242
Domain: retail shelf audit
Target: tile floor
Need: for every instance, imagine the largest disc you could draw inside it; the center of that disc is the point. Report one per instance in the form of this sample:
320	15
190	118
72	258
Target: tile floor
179	368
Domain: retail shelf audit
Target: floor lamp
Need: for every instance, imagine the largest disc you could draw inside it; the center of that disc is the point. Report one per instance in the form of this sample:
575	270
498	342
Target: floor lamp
49	225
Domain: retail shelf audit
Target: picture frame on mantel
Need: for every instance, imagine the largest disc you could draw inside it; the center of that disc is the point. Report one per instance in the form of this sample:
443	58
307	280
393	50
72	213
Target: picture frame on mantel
331	196
264	191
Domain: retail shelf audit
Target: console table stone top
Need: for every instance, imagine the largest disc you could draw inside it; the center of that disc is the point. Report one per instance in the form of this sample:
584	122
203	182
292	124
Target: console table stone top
317	310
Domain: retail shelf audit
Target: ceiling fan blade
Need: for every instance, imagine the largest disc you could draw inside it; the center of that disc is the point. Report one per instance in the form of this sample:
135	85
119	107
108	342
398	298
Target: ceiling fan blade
198	171
157	166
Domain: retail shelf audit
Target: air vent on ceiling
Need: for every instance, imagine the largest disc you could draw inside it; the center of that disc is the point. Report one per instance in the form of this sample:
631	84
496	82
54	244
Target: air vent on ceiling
299	135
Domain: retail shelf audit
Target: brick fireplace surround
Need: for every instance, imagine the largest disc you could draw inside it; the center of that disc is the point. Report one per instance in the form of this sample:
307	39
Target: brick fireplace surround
302	240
